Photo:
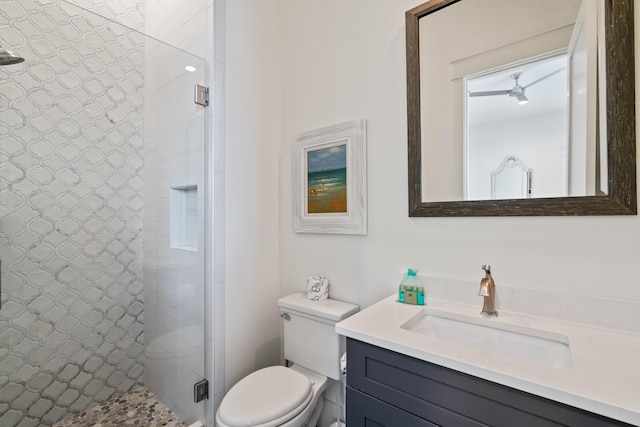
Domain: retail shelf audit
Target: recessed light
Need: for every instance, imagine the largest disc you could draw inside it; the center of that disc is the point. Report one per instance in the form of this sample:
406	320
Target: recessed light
190	68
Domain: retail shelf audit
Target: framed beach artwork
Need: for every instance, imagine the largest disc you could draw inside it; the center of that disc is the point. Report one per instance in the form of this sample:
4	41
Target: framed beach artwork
329	180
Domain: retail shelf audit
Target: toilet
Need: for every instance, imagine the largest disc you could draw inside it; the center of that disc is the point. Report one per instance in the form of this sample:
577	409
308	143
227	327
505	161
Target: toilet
292	397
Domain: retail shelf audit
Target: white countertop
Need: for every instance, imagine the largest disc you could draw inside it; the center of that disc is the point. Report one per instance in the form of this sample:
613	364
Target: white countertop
604	377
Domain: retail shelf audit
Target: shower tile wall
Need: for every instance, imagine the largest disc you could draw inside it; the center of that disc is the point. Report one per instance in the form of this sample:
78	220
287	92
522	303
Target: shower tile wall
71	203
130	13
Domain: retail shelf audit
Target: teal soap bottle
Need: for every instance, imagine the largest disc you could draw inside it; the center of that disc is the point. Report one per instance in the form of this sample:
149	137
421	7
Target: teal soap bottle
411	290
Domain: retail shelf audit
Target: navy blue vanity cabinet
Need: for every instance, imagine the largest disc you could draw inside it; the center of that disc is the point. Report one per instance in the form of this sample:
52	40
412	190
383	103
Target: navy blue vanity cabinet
378	413
388	389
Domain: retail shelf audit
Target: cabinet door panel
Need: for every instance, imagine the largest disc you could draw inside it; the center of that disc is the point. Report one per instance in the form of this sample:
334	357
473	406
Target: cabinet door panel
366	411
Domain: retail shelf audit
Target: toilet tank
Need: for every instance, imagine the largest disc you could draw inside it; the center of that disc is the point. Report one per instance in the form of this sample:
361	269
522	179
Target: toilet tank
310	338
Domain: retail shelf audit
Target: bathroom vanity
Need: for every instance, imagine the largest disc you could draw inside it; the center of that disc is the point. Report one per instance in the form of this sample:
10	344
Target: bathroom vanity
385	387
446	365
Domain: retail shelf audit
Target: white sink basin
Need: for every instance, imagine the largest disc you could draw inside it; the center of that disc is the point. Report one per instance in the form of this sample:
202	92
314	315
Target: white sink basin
487	334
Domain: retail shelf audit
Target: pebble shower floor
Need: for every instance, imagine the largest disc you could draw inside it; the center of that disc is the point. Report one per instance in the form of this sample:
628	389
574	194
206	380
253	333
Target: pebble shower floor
138	407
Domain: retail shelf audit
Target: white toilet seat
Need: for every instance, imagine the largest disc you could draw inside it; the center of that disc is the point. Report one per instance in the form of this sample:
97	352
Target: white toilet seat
265	398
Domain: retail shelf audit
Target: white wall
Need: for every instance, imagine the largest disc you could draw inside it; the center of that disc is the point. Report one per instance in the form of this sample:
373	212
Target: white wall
344	60
253	109
296	66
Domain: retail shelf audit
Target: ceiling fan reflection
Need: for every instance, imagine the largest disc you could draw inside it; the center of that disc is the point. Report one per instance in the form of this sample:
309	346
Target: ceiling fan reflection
517	91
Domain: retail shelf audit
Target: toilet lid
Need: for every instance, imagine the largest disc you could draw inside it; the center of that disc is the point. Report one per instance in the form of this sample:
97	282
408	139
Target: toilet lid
263	396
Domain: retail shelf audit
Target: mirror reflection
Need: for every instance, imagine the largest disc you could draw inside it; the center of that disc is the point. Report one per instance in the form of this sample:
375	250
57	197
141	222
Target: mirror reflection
509	100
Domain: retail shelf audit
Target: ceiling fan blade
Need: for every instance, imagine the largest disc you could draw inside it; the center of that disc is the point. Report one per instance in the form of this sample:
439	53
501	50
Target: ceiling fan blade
491	93
553	73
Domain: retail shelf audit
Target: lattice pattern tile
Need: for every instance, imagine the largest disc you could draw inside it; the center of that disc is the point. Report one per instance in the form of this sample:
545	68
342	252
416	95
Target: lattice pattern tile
71	211
125	12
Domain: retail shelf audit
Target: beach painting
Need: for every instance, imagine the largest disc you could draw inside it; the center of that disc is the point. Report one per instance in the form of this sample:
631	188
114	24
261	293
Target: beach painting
327	179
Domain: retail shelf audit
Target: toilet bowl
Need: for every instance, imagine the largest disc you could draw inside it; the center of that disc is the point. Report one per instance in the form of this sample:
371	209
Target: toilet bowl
273	396
293	396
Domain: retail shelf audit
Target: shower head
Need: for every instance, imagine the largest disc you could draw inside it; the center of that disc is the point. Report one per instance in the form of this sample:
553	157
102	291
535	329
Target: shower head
7	57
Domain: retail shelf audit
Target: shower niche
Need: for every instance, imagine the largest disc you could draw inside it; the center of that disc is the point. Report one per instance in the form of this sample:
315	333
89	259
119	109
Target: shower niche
183	222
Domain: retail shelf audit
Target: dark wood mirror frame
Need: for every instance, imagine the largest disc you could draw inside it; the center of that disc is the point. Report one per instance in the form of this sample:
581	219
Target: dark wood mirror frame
621	131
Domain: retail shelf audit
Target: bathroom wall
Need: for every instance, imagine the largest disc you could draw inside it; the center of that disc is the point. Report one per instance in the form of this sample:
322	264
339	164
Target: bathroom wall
297	66
253	131
356	69
71	216
346	60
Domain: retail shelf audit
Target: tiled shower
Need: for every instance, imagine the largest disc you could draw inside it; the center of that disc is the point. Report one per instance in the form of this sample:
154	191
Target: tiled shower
94	133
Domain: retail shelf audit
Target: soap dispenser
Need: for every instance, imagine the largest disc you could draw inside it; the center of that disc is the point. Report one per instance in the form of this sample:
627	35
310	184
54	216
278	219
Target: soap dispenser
411	290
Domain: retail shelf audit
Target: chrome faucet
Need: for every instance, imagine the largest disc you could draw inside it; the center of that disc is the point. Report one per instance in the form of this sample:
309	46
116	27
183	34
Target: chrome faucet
488	291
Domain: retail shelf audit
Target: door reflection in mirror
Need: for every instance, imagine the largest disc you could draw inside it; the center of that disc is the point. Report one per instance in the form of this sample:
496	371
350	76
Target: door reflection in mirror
512	180
517	112
529	90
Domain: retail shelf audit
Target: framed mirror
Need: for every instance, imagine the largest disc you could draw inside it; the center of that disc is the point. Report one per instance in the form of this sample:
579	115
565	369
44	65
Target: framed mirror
549	82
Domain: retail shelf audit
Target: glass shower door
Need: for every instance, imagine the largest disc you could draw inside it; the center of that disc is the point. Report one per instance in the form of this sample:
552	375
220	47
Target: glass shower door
174	247
101	216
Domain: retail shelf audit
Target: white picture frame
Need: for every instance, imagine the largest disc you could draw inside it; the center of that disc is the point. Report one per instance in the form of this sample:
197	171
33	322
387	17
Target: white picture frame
326	198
